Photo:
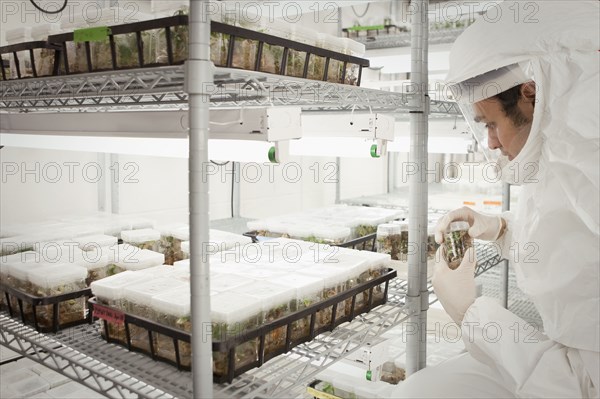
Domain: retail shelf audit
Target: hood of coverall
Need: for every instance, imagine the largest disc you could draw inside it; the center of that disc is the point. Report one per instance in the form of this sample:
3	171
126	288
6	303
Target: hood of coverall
555	231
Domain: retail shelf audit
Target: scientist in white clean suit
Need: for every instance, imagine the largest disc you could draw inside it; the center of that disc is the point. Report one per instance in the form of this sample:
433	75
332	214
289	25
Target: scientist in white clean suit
529	86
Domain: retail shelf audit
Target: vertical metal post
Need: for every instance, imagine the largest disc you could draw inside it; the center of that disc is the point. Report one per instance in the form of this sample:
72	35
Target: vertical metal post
505	266
391	167
417	298
338	180
199	77
236	187
114	184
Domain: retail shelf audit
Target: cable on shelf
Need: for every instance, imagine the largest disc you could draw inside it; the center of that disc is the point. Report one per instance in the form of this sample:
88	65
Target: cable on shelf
61	9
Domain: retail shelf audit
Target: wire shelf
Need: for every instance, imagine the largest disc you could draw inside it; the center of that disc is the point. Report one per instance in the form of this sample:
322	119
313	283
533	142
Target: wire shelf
82	354
163	88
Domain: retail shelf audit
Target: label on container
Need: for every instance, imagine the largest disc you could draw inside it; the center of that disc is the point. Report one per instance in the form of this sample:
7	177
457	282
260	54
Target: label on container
96	34
108	314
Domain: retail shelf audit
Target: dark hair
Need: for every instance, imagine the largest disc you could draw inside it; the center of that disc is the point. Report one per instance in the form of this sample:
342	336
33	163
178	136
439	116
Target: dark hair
509	100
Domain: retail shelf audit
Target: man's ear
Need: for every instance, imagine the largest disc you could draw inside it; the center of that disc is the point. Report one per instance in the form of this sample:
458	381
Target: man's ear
528	91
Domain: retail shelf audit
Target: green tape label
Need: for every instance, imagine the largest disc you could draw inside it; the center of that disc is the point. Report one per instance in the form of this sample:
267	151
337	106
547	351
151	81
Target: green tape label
97	34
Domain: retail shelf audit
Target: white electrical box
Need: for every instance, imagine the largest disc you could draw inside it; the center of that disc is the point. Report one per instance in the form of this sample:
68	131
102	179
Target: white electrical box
261	124
352	125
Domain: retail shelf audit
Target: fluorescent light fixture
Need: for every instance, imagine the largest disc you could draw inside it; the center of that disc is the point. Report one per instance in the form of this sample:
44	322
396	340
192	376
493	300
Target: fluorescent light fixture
172	148
436	145
342	147
218	150
246	151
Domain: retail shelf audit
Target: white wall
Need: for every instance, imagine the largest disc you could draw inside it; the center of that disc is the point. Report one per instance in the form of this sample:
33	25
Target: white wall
43	184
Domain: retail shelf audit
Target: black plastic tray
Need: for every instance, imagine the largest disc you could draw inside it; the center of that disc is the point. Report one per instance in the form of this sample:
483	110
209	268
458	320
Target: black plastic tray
229	346
35	302
366	243
230	34
13	51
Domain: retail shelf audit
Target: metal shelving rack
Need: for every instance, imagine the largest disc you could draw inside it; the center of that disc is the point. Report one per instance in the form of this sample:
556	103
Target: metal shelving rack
77	354
82	354
403	39
163	88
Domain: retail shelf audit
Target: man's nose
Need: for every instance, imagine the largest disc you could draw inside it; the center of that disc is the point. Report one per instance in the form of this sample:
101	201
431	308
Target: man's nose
493	141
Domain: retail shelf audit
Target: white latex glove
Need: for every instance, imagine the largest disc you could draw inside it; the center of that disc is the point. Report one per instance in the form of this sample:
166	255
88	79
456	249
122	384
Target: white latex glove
483	227
455	288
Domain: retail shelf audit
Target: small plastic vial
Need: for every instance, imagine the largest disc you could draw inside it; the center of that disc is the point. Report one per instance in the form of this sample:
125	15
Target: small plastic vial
456	243
392	239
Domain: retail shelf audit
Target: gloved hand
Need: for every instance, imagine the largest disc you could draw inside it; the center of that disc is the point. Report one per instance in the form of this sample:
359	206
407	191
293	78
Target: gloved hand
455	288
483	227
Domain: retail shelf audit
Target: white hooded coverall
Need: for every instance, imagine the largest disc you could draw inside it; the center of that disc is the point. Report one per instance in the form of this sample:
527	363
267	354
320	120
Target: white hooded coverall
553	239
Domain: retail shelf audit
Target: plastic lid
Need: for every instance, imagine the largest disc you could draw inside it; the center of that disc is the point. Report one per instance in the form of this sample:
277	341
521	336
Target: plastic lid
143	292
176	303
232	307
333	233
331	276
227	282
270	293
42	31
21	34
305	286
140	236
388	229
158	271
131	257
20	270
227	239
55	276
458	226
111	288
87	243
354	48
259	273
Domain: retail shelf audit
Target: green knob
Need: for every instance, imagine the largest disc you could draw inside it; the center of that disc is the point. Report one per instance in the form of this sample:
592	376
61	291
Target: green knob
273	155
369	375
374	151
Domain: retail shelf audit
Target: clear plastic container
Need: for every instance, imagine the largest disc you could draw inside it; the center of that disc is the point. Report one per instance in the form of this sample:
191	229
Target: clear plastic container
334	282
58	280
143	239
392	239
170	242
88	243
173	309
276	301
76	52
456	243
44	58
232	314
355	49
15	36
97	264
226	283
432	245
309	290
137	301
129	257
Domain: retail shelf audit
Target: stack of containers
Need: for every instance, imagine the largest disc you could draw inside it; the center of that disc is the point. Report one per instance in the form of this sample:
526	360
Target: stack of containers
172	309
308	291
143	239
276	301
57	280
128	257
16	36
171	239
138	301
110	292
232	314
356	49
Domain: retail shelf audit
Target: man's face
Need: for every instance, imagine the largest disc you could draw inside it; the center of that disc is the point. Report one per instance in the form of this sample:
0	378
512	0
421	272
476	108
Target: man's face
502	132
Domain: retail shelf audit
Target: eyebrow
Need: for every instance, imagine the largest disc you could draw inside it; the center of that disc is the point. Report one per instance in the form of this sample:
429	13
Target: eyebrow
479	118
